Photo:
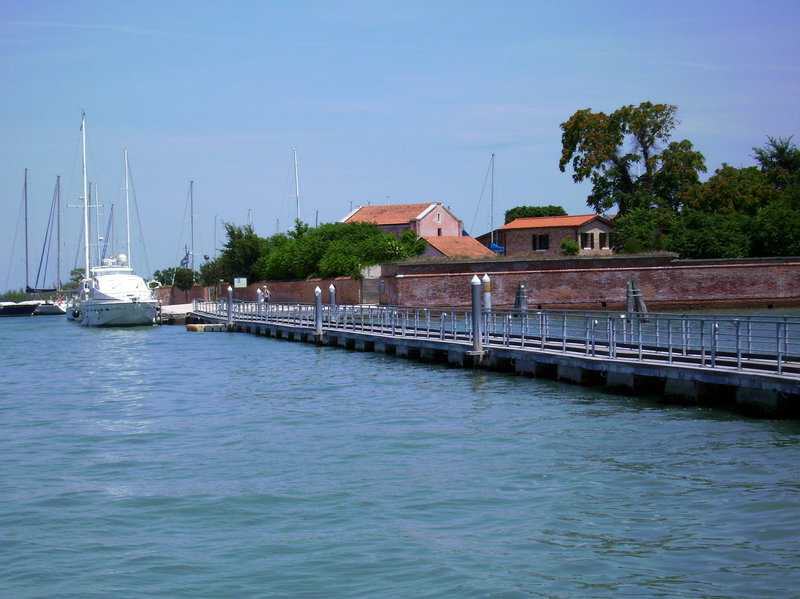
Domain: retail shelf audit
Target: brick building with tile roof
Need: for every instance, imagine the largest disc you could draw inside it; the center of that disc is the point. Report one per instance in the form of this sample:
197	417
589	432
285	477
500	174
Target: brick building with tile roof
542	235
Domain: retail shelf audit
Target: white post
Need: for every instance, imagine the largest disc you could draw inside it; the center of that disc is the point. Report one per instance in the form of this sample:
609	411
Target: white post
487	293
318	312
230	306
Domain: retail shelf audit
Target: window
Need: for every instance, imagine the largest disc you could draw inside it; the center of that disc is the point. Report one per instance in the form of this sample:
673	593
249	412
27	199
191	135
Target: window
540	243
438	217
439	232
587	241
603	242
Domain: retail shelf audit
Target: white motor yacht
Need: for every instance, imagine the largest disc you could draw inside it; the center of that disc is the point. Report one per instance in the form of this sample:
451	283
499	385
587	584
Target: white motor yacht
115	296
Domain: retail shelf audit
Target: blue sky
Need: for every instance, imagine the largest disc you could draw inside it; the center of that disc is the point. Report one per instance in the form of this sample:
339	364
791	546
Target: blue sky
384	101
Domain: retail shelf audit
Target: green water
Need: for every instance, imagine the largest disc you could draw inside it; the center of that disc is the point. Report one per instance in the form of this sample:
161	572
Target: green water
155	462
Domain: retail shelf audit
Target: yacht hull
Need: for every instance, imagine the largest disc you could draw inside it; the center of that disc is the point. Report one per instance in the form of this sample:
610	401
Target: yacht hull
17	310
117	314
50	309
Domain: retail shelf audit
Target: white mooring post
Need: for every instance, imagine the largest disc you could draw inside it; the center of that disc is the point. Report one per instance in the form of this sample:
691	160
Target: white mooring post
487	293
477	342
230	306
332	295
318	312
259	302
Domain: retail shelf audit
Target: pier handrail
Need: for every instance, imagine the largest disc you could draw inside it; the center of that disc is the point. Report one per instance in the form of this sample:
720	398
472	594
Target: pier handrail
709	341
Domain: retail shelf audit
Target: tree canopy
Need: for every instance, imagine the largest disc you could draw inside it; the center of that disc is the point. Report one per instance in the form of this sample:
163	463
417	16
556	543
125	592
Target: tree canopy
329	250
528	211
629	158
736	213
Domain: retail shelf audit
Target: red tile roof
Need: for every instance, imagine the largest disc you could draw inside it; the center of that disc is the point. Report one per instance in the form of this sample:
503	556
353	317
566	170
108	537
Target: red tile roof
461	247
391	214
537	222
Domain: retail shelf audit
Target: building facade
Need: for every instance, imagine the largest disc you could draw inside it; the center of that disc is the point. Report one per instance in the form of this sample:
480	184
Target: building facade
543	236
425	220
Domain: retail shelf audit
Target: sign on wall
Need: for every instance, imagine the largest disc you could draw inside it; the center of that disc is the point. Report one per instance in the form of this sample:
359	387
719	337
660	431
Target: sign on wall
239	282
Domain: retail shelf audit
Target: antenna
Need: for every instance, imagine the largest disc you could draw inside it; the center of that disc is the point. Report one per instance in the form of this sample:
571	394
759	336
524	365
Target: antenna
25	201
58	232
85	197
127	210
191	221
296	185
215	235
491	204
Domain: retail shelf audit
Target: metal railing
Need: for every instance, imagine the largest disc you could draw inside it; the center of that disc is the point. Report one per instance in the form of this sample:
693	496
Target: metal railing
742	343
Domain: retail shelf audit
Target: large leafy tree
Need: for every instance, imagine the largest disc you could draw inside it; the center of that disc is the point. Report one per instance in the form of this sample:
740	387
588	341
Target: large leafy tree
528	211
628	157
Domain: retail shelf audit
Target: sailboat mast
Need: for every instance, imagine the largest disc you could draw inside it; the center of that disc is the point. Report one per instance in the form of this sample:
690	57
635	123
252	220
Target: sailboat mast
85	198
25	200
491	202
127	211
191	221
296	186
58	232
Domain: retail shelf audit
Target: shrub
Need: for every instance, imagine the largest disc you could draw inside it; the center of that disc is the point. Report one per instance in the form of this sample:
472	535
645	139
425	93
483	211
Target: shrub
569	247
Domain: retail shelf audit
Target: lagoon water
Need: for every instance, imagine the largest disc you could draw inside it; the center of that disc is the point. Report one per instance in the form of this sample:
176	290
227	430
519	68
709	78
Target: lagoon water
146	462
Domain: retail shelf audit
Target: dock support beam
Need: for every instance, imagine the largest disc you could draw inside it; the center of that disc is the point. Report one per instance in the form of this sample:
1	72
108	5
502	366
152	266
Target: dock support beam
477	338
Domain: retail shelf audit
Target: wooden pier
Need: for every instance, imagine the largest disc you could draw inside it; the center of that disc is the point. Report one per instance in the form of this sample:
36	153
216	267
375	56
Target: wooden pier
748	364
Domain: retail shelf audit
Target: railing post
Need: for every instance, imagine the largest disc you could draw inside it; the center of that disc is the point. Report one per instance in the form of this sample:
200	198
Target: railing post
477	342
318	312
738	345
230	306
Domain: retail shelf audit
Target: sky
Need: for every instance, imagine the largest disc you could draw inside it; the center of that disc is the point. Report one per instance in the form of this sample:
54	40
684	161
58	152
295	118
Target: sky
384	102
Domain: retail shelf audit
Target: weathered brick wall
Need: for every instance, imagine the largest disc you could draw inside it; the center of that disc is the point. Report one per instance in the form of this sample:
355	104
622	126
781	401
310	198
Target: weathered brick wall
676	286
518	241
172	295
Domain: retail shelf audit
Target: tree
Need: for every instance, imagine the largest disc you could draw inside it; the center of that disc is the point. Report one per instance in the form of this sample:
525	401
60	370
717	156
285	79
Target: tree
779	160
643	230
211	272
528	211
75	278
698	234
184	280
165	276
731	189
777	230
241	252
619	153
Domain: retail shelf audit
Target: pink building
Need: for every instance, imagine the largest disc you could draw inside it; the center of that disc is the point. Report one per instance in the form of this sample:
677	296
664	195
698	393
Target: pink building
425	220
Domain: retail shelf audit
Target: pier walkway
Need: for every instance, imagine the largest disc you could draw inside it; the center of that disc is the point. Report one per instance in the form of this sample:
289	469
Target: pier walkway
749	363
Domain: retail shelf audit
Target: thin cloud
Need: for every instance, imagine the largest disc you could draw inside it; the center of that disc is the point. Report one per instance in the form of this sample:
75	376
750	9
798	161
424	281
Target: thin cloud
103	28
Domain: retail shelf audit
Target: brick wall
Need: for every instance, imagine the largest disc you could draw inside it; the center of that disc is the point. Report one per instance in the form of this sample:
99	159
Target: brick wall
518	241
680	285
348	291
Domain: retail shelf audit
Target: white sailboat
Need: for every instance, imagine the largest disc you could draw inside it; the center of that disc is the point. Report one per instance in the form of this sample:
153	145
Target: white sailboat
111	293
